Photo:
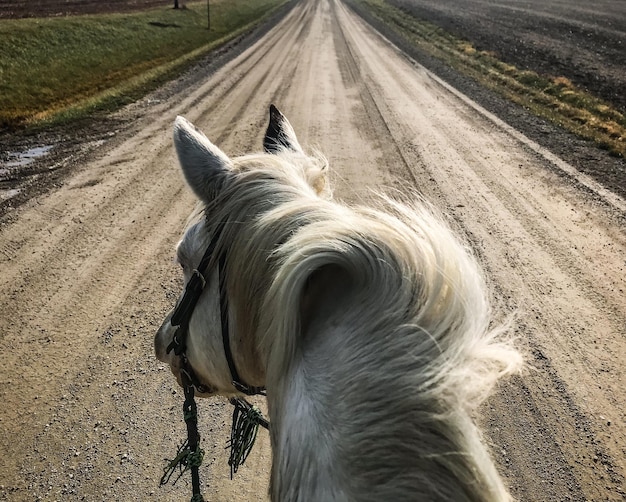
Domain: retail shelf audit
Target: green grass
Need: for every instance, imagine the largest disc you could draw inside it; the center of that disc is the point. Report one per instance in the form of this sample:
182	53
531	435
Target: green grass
59	68
552	97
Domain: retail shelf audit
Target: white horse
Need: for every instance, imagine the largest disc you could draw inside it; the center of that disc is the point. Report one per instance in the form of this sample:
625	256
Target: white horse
368	327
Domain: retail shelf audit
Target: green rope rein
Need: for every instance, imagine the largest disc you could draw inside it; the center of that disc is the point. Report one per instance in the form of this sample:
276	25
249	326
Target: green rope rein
243	433
189	455
185	459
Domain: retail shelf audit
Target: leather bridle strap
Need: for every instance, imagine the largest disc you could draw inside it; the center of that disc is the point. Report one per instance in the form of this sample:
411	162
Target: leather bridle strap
235	379
184	310
195	286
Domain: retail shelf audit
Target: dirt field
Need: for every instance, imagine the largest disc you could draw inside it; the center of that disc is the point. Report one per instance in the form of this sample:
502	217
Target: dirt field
87	270
583	41
47	8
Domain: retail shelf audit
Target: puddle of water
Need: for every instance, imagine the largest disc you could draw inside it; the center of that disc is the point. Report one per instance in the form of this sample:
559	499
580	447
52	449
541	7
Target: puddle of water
7	194
20	159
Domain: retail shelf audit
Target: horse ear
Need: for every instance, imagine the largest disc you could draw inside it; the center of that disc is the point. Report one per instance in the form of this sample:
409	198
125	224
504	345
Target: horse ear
204	165
280	135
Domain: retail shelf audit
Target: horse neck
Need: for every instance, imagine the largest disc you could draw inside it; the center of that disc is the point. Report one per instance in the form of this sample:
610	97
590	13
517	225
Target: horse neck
341	430
303	439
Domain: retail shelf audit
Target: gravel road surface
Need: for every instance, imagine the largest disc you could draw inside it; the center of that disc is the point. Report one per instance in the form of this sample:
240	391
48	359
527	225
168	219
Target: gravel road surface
88	275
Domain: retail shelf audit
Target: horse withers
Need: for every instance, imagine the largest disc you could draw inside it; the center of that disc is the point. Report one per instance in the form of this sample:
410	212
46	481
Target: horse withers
368	326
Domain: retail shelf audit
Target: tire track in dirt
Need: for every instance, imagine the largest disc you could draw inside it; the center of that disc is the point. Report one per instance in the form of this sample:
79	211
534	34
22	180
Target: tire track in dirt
354	77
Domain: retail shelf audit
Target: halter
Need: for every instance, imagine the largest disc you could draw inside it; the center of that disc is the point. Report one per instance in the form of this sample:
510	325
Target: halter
246	418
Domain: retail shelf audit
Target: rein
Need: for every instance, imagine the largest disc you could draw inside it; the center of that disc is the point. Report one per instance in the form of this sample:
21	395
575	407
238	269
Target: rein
246	417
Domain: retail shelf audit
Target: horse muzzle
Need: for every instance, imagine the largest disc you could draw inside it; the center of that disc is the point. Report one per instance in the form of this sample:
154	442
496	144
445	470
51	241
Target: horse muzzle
162	339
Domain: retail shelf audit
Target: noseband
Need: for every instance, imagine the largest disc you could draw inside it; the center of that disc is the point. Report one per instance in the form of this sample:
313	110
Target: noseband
184	310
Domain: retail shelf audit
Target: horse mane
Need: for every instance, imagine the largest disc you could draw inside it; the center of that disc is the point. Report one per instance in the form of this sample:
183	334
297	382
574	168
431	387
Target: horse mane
416	339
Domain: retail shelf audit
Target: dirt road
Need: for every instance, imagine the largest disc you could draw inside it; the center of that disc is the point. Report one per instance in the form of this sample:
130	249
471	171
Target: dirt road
87	274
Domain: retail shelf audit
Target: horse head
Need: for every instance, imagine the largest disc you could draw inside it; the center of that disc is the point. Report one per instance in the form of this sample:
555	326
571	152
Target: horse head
222	184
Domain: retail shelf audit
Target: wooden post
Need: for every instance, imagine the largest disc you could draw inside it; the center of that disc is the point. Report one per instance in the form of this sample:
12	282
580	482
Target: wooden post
208	14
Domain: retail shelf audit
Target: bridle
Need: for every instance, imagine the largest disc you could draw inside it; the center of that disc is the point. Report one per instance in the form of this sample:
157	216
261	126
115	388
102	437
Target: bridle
246	418
184	310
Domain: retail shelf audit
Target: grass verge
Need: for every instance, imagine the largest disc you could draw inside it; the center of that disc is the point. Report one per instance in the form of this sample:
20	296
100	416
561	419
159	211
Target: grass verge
552	97
58	69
